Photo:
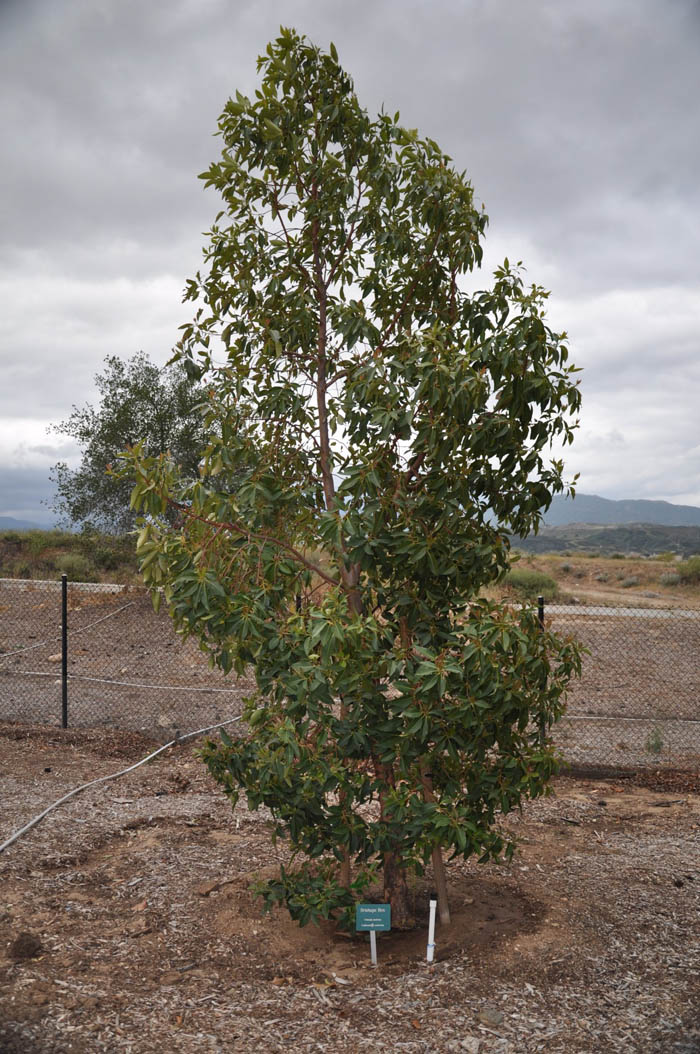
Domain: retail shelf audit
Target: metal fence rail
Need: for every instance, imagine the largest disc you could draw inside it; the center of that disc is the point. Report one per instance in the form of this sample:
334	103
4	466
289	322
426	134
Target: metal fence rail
637	704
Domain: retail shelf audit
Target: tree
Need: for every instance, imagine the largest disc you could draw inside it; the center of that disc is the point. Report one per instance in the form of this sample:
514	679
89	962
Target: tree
391	430
137	401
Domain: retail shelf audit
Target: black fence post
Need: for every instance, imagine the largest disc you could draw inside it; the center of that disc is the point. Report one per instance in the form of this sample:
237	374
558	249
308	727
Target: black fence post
64	651
540	618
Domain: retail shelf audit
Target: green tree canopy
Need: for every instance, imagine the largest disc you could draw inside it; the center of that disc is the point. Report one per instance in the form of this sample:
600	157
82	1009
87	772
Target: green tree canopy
138	401
391	430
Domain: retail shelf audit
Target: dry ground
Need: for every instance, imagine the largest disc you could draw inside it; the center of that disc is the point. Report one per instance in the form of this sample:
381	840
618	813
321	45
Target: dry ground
626	581
126	923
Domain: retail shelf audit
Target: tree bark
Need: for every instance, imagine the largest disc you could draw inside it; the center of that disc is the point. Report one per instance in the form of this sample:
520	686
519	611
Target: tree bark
396	892
395	886
344	871
438	862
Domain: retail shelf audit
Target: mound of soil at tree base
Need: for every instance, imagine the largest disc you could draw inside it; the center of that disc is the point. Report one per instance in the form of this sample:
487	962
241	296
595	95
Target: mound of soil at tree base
482	917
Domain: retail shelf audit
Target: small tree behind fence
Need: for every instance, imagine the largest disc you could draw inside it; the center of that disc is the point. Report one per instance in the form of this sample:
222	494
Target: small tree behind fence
637	704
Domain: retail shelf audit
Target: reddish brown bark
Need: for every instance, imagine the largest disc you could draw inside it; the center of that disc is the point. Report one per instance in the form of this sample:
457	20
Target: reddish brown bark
438	862
395	886
396	892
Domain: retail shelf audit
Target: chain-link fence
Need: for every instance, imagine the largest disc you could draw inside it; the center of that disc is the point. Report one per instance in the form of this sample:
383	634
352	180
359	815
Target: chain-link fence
636	705
125	665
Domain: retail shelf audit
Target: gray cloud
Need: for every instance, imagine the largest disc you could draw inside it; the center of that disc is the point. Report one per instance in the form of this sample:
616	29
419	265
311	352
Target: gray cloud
576	122
24	494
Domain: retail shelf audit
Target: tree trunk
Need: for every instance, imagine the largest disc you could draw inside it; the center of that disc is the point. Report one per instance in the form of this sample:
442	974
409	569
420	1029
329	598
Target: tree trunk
438	862
395	886
428	795
396	892
344	873
349	579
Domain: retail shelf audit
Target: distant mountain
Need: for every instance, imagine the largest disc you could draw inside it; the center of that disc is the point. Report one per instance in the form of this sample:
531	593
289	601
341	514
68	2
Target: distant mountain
606	539
9	523
588	508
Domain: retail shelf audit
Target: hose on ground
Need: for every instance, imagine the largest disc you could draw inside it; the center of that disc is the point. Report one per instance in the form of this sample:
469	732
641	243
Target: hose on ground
111	776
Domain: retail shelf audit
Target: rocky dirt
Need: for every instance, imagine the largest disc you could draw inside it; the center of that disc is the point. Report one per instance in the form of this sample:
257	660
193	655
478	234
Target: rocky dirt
126	922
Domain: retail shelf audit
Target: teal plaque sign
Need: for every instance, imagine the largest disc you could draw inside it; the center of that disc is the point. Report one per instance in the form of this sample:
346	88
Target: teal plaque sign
373	917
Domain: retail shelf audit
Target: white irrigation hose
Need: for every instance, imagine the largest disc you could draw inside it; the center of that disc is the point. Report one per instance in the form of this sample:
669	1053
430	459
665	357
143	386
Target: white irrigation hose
31	647
125	684
137	684
111	614
112	776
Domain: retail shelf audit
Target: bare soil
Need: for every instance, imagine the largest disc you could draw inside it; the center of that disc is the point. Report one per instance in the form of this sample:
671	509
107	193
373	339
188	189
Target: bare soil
627	581
127	924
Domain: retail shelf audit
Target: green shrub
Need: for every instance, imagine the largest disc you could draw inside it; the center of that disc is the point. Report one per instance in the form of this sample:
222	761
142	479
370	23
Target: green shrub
37	541
669	578
627	583
689	571
77	567
602	576
531	584
617	556
10	537
565	567
104	551
655	742
106	559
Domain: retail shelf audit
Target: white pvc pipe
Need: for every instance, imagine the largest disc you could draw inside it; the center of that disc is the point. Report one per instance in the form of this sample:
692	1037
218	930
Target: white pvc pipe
431	931
373	946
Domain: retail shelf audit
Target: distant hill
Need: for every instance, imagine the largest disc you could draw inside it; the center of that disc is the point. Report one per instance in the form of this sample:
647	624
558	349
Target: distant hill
643	538
9	523
589	508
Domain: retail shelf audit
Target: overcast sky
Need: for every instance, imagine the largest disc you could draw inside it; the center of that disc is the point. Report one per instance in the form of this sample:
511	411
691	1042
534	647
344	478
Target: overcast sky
578	122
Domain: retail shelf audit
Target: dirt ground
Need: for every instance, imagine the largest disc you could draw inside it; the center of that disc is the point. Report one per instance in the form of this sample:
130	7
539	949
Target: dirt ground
126	923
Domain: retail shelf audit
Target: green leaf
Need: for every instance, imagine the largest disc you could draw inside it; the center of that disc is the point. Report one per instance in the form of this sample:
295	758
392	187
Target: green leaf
272	130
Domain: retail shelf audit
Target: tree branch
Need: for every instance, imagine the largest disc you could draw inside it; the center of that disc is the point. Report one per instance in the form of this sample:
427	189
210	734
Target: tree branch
410	472
298	264
321	386
260	536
